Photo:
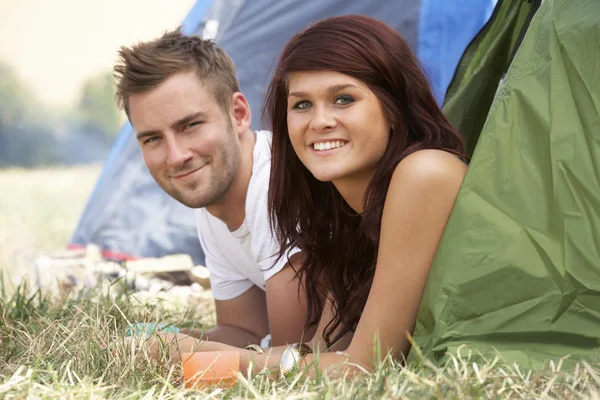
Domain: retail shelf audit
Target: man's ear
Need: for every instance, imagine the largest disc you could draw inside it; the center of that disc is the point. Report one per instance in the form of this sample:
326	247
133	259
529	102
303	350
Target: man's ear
242	115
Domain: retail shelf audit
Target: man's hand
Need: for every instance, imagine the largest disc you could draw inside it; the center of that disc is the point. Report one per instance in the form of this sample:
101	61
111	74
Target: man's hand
168	347
240	321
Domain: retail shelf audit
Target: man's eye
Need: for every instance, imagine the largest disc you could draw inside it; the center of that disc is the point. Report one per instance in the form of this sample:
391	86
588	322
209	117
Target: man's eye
191	125
152	139
343	100
301	105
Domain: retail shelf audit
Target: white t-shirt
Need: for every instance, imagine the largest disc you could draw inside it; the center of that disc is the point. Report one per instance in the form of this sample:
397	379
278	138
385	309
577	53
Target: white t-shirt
240	259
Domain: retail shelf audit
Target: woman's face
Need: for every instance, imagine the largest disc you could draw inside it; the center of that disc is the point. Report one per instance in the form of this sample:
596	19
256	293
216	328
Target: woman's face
336	125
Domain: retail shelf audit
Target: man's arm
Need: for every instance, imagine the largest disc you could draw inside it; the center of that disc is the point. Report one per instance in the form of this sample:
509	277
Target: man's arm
240	321
242	312
286	305
249	317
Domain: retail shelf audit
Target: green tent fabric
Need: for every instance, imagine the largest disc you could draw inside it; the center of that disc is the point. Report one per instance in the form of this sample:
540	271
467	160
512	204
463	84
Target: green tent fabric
482	66
518	268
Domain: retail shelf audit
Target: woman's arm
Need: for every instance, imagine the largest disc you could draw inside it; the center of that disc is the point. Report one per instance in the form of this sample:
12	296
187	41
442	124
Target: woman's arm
272	356
418	204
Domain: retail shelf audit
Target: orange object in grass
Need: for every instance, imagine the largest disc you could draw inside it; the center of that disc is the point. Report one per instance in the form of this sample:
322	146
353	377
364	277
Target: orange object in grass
202	369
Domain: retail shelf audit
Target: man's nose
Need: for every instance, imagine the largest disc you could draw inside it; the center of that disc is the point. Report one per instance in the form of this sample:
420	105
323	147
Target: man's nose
177	153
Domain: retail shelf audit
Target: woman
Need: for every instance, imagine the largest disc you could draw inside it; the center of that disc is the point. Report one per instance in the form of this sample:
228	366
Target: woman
365	172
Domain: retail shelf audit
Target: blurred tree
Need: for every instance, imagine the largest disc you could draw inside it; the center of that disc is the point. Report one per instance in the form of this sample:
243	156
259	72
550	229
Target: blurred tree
97	107
31	135
15	99
24	140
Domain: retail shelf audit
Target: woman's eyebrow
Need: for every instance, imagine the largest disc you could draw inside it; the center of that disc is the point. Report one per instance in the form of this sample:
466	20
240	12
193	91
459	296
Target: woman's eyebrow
330	89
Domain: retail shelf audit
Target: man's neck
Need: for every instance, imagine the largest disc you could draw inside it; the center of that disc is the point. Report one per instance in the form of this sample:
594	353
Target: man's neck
231	208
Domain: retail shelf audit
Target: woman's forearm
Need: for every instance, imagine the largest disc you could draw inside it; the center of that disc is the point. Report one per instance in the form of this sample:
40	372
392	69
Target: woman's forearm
270	359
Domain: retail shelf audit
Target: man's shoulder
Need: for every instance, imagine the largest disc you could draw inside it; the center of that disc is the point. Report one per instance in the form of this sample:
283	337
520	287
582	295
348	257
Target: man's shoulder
262	147
206	222
256	197
261	166
200	213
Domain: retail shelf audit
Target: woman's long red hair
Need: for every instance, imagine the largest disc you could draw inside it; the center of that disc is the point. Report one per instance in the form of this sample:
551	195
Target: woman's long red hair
340	246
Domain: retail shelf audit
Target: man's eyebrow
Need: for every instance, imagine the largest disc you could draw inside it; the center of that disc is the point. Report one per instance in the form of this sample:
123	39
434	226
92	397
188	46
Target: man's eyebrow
179	123
330	89
187	119
145	134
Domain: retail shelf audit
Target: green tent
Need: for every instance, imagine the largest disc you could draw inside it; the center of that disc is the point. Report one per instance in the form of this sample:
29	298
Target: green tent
518	268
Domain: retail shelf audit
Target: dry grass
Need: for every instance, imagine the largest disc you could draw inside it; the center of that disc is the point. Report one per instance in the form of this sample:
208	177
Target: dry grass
74	348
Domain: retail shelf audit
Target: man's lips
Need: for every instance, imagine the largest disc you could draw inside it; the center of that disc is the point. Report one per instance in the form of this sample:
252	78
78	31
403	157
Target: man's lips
188	173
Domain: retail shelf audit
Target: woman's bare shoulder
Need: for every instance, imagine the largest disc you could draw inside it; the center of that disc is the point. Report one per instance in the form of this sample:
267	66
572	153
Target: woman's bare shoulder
430	167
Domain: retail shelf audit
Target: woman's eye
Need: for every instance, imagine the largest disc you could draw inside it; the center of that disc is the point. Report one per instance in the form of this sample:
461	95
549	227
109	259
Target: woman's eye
343	100
301	105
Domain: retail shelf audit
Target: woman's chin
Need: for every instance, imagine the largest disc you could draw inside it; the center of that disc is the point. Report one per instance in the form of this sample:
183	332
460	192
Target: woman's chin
325	176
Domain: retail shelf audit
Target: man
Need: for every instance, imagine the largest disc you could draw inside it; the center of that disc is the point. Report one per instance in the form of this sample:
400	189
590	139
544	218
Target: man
183	99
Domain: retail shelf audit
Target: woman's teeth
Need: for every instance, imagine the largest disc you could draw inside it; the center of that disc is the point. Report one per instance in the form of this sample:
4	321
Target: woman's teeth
320	146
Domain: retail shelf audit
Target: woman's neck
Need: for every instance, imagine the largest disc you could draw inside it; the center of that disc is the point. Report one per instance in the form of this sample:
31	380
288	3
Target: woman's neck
353	189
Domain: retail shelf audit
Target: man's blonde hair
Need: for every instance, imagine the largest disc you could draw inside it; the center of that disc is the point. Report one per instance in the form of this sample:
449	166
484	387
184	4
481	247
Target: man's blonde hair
144	66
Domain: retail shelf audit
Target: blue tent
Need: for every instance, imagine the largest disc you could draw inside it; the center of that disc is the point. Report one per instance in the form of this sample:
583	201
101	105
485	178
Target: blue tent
128	214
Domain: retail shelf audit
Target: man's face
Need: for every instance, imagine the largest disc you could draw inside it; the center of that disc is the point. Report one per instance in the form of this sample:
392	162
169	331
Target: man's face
188	141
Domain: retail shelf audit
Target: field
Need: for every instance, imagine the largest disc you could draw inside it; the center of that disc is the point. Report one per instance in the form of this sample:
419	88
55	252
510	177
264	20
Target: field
73	348
39	210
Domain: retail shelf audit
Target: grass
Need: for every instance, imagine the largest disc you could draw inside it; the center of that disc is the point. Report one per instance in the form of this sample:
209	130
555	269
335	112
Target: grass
73	347
39	210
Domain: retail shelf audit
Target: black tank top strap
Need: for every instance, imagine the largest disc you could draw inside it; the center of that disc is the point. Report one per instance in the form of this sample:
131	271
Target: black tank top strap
461	158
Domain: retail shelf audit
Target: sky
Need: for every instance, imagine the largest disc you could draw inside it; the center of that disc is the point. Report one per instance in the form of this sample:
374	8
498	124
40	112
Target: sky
56	44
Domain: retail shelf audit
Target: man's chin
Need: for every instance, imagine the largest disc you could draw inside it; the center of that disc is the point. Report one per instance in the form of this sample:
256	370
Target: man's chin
196	197
187	198
191	202
194	200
